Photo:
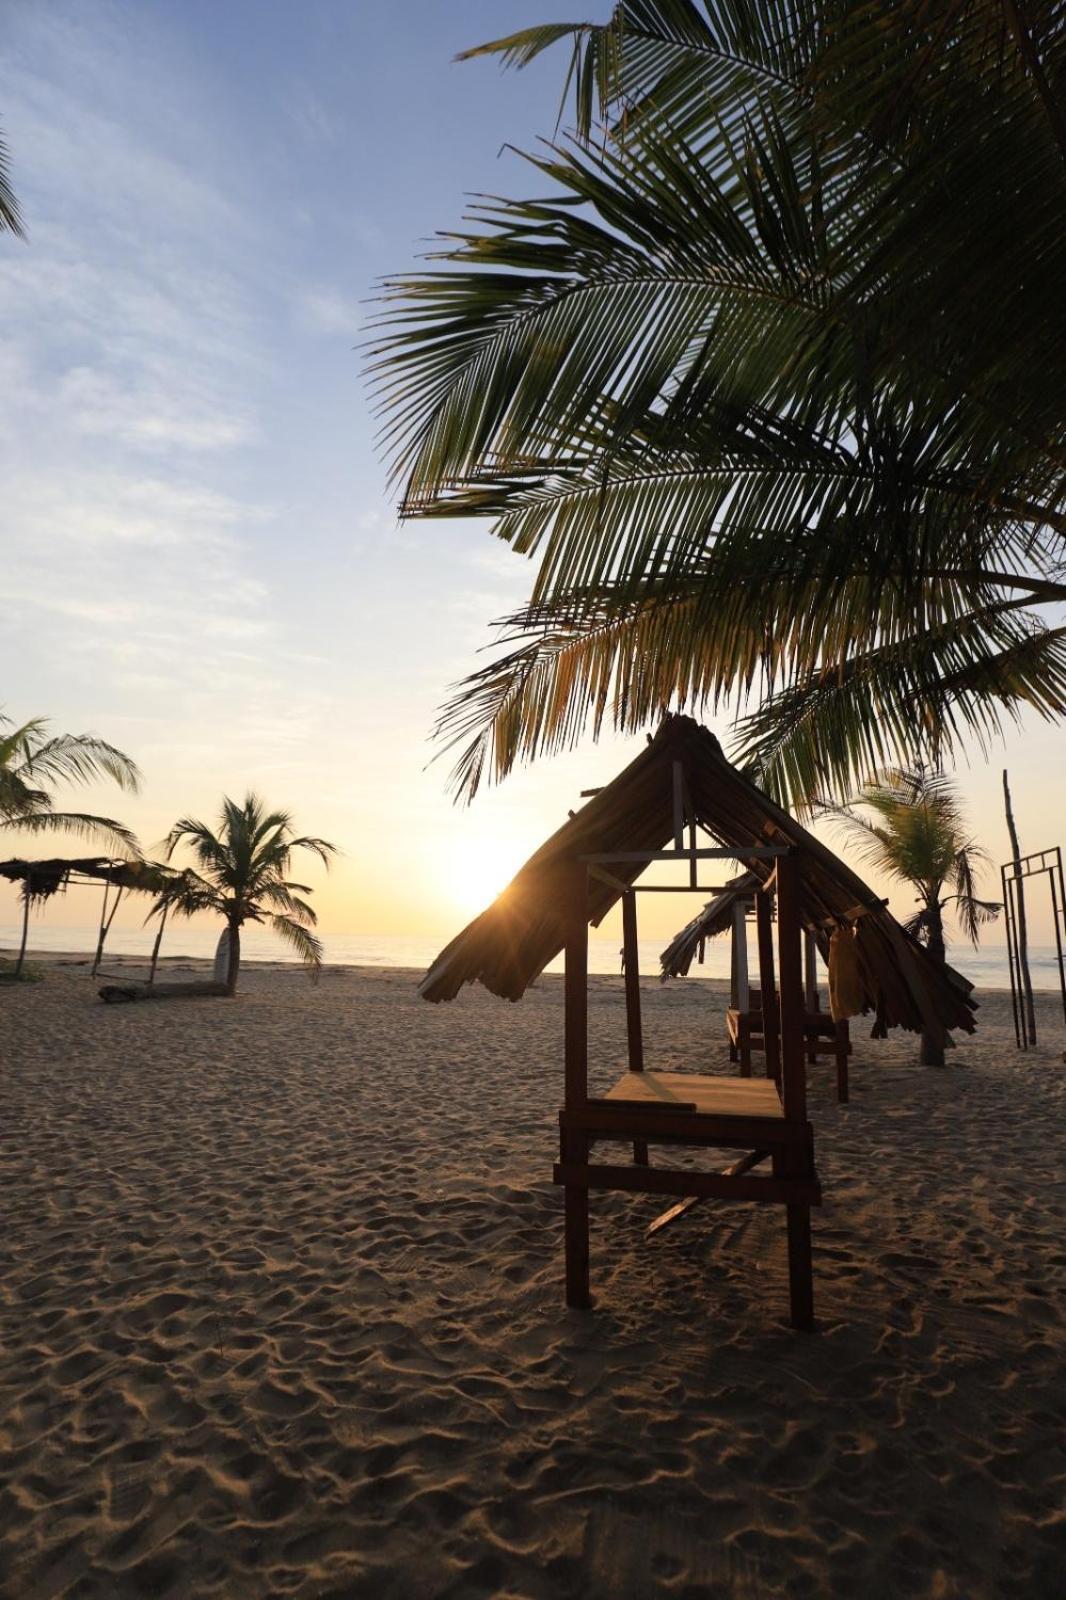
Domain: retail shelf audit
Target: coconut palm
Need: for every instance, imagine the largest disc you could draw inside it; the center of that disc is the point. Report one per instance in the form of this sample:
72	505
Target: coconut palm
914	831
32	761
10	217
768	381
241	874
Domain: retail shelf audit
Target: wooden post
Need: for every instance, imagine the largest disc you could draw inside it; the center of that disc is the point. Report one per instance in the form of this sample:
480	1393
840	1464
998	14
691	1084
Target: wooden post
790	991
794	1083
155	947
1022	931
810	984
740	948
632	964
634	1029
770	1030
810	970
103	930
574	1145
25	927
679	807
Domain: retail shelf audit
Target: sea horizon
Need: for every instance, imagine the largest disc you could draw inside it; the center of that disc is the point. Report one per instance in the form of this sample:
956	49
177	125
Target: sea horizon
986	967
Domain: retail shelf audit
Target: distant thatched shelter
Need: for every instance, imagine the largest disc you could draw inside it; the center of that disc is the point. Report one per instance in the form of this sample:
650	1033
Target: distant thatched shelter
40	880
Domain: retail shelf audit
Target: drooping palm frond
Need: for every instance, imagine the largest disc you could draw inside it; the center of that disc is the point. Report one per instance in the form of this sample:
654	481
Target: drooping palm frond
792	312
307	946
31	761
10	214
103	831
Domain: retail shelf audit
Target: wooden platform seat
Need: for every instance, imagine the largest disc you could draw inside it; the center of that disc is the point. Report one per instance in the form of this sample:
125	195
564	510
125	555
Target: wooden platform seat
696	1110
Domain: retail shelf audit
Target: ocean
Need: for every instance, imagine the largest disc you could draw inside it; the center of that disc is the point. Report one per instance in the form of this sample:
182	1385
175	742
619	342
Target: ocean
985	967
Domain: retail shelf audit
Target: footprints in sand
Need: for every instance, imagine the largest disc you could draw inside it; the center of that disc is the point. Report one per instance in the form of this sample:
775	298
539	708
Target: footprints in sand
288	1323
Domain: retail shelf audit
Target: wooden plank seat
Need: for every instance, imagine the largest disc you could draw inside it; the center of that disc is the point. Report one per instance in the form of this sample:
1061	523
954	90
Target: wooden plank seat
707	1094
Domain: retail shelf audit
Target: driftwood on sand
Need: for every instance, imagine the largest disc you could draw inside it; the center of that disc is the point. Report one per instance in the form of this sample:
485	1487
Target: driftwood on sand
114	994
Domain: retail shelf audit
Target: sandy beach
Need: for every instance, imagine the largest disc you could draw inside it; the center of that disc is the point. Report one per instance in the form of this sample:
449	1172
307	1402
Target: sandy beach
282	1313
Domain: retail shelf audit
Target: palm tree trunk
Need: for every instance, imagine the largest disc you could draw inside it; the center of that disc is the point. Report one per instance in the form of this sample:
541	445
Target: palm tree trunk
25	930
932	1052
234	957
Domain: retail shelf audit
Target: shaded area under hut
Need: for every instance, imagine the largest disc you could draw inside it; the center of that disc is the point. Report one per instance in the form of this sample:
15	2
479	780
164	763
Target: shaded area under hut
679	787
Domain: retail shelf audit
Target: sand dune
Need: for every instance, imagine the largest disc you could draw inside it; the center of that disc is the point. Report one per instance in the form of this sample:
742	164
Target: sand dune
281	1299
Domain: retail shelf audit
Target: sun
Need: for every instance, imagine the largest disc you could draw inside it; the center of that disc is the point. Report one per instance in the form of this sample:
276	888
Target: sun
479	869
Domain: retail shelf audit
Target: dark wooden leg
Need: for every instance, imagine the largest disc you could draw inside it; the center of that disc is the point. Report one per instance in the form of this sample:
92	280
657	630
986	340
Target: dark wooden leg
640	1153
842	1062
800	1267
576	1201
744	1041
732	1051
800	1263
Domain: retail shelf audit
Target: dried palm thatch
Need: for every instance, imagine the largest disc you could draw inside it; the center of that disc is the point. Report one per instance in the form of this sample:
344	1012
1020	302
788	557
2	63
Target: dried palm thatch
715	918
511	943
40	880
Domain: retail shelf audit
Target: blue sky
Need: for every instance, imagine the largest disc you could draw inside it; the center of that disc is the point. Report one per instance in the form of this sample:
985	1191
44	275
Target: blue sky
201	559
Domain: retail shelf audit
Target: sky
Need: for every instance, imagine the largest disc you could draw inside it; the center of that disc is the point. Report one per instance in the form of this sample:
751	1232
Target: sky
202	561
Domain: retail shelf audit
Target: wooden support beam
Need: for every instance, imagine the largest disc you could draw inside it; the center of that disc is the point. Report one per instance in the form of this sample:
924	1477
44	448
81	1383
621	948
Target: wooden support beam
682	1207
740	956
575	988
614	1119
634	1029
790	992
707	1185
756	852
679	806
768	986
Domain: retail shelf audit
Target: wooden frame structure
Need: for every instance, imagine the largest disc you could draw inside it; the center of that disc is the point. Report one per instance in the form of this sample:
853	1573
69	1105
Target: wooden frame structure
729	912
765	1118
679	785
1039	864
40	880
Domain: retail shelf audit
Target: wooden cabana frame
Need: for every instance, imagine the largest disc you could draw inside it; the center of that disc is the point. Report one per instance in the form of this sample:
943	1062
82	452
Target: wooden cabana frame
40	880
729	912
679	787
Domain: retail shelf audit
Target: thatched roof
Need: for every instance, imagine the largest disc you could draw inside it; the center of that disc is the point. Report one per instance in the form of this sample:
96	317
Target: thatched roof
715	918
511	943
42	879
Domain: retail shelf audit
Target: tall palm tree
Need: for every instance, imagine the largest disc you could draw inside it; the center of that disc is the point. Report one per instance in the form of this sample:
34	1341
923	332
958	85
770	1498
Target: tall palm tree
32	761
915	832
769	381
241	874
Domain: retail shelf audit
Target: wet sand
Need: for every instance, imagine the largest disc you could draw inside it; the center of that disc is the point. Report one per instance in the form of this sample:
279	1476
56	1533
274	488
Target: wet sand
280	1288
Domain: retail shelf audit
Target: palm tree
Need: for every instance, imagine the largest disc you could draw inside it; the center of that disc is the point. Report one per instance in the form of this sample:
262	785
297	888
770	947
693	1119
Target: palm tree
917	834
31	761
10	216
241	874
769	383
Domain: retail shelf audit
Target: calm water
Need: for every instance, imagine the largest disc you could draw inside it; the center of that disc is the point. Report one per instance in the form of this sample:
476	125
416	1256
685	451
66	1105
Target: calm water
987	967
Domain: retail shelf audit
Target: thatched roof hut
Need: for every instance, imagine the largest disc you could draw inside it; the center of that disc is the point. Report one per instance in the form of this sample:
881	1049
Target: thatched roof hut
511	943
42	879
